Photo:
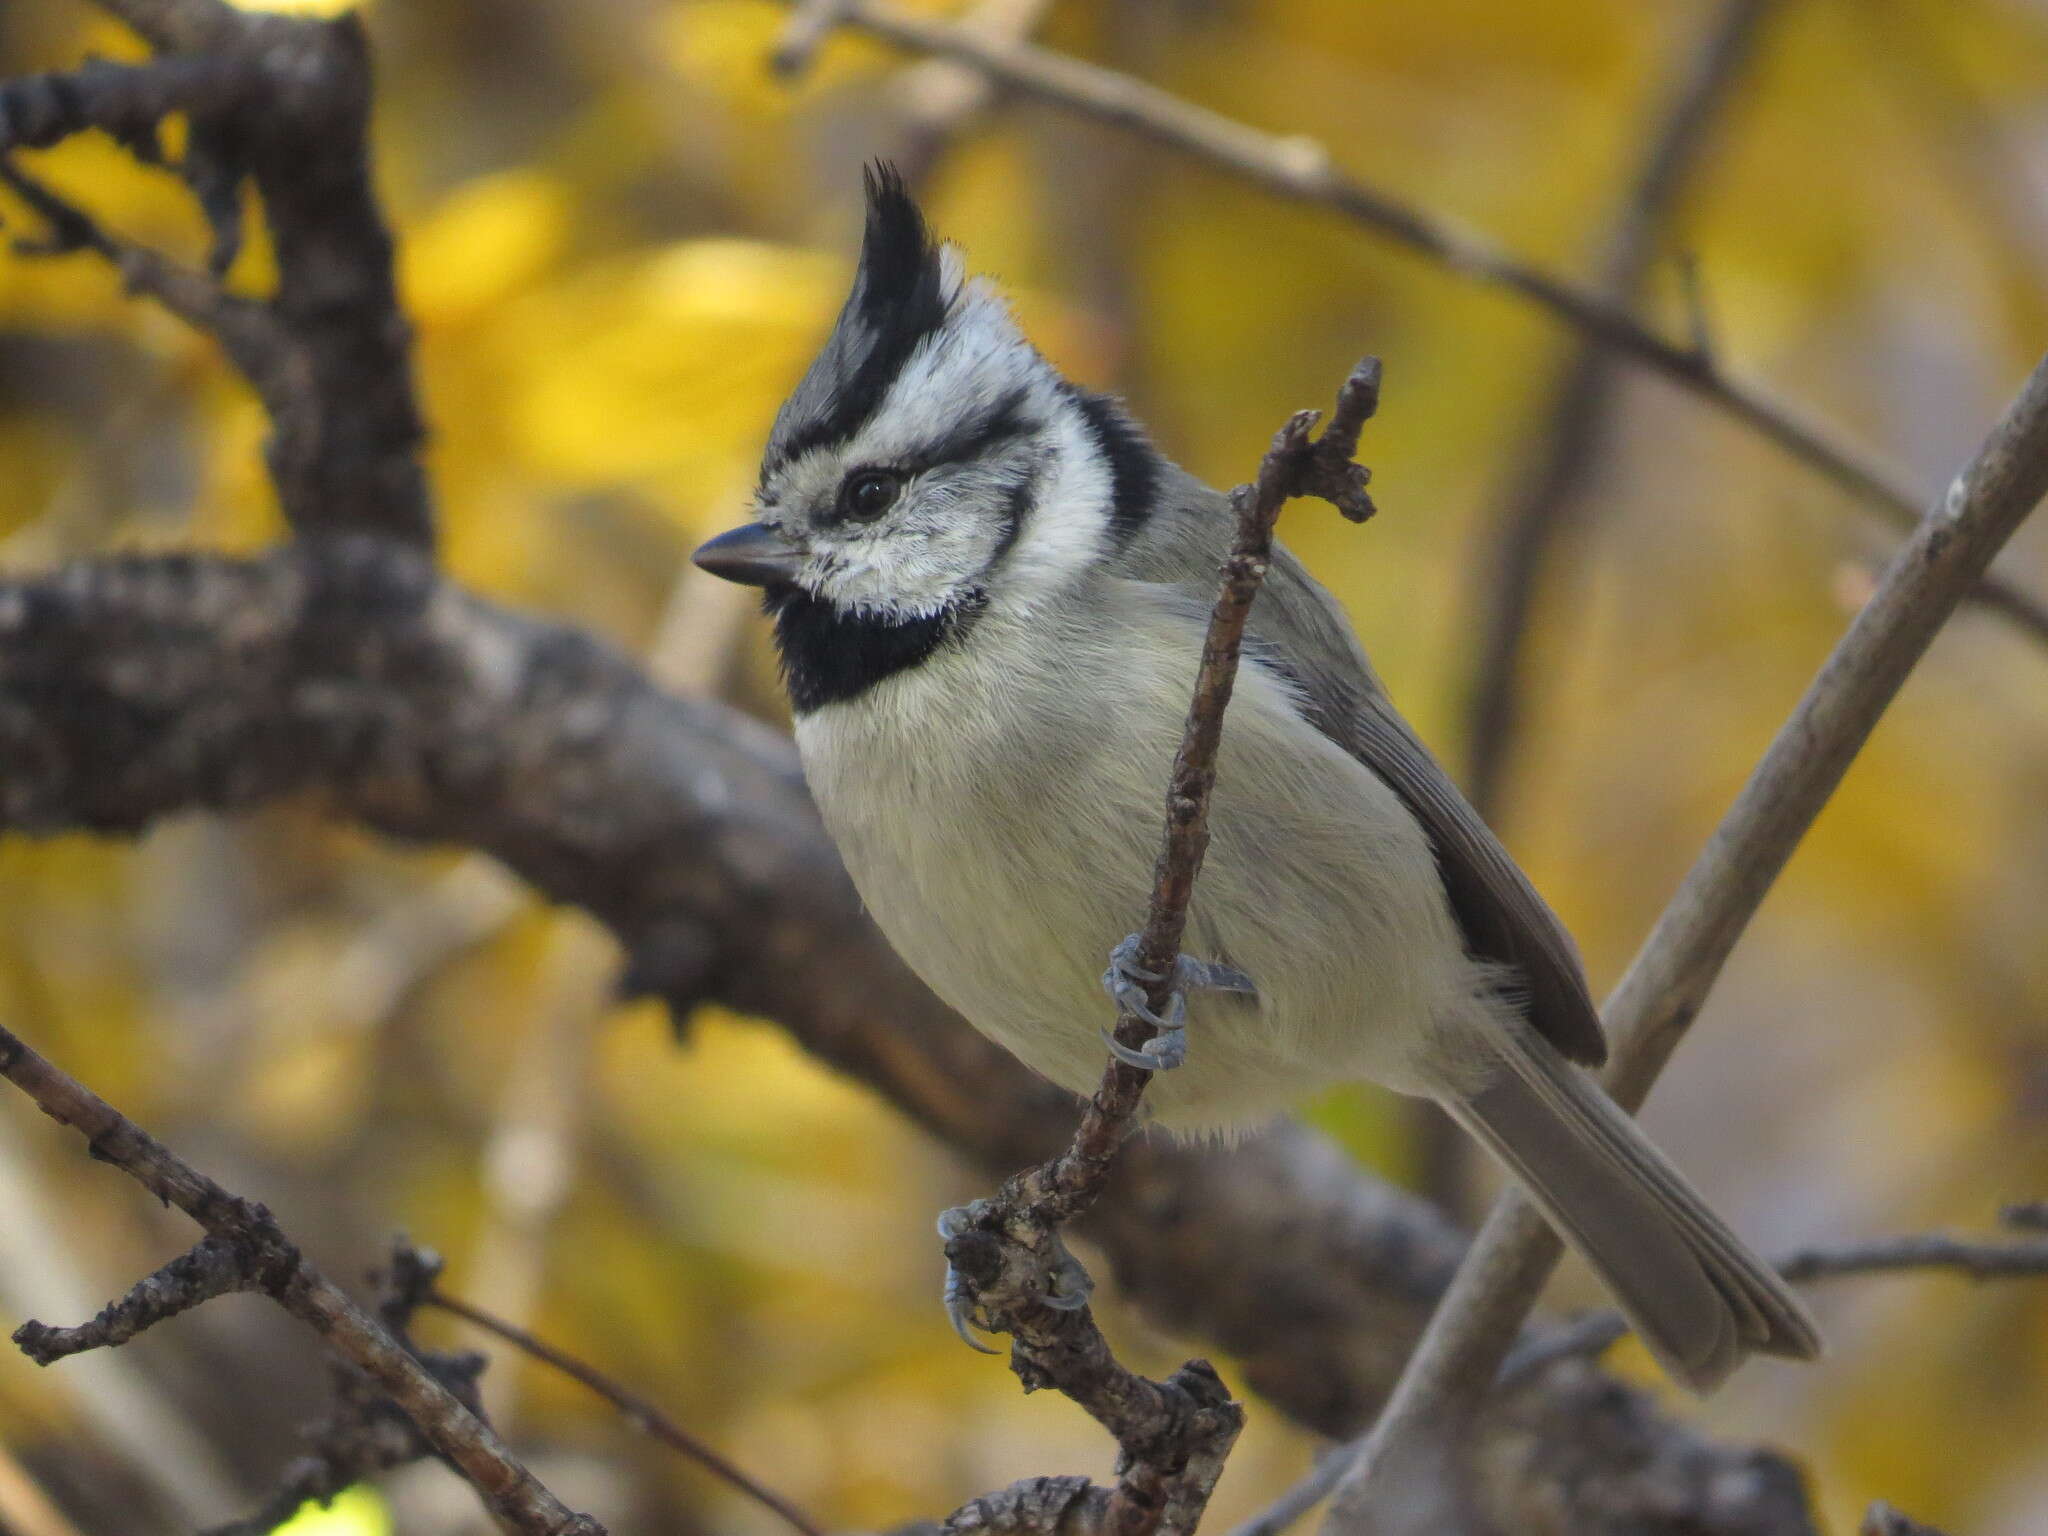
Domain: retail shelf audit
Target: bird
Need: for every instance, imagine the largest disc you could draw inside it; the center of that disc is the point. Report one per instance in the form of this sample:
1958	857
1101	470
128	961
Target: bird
988	589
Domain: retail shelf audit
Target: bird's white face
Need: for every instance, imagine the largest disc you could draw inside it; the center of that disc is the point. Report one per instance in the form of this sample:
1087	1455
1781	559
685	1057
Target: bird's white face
930	465
914	512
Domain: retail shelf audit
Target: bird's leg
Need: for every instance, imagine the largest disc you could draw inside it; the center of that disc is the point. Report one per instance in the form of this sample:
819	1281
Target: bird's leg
1126	982
1065	1286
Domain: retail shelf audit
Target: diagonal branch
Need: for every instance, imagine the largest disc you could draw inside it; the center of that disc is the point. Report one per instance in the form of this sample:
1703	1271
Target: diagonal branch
246	1249
1475	1324
1303	170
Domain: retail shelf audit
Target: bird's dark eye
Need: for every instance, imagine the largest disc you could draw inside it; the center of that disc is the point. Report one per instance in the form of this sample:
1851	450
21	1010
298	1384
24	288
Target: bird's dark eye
868	493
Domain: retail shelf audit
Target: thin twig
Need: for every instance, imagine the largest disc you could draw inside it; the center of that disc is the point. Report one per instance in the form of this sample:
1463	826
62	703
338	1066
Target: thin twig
638	1411
1174	1435
1918	1252
1477	1321
284	1274
1300	168
1540	508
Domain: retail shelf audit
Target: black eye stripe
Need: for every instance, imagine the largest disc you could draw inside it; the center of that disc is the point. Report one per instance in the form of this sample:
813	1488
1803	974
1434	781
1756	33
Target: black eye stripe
975	437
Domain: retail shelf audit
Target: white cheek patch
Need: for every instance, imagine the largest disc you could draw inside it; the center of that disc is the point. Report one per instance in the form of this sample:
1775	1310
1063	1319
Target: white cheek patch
938	548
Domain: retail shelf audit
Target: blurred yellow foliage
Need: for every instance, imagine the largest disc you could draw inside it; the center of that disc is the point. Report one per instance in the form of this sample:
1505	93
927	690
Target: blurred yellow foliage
621	240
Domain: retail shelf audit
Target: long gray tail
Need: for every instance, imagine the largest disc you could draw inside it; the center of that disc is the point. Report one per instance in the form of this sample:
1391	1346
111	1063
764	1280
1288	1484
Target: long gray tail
1696	1296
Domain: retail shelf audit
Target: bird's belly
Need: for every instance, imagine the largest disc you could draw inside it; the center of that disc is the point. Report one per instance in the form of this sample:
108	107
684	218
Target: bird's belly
1006	890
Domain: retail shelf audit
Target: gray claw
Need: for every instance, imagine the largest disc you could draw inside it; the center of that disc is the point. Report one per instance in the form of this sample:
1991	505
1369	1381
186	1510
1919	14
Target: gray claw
960	1309
1212	976
1165	1050
953	1221
1127	982
1070	1286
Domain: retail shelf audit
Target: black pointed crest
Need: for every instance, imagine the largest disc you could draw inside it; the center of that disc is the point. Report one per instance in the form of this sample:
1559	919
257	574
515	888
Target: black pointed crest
898	299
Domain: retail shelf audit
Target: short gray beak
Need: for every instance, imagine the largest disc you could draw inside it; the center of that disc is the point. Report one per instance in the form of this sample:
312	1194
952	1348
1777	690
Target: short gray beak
753	554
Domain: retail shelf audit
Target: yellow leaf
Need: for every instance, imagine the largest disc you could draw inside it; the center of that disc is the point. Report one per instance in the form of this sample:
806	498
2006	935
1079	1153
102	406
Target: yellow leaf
318	10
356	1511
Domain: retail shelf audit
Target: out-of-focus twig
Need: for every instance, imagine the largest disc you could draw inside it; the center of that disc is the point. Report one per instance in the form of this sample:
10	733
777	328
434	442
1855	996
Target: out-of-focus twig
941	97
1915	1253
1475	1324
1538	511
1300	168
1542	506
245	1249
638	1411
531	1150
1974	1259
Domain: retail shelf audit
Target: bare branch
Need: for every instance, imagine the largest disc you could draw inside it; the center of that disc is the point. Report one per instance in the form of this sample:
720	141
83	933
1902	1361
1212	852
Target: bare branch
244	328
1038	1506
283	103
1460	1354
1299	168
215	1266
1174	1435
269	1260
132	688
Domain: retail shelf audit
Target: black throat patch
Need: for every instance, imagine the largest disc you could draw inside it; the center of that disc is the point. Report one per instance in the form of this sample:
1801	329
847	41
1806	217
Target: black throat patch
829	656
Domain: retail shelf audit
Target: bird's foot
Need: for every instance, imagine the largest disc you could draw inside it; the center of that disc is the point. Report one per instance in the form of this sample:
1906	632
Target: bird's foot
1065	1288
1127	982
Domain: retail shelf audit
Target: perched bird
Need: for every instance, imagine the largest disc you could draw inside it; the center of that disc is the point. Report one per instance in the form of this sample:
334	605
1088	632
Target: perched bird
989	591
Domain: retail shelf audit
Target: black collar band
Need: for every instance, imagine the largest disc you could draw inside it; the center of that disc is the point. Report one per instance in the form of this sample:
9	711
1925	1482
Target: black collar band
829	656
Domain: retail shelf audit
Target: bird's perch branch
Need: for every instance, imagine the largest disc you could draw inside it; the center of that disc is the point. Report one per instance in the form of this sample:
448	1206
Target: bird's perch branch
245	1249
1303	170
1174	1434
1476	1323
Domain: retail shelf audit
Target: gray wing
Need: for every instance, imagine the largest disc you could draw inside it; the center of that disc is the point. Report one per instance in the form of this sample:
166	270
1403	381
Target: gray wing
1301	630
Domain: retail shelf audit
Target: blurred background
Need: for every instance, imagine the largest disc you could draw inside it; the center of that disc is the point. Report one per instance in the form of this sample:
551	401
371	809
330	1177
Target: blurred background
621	238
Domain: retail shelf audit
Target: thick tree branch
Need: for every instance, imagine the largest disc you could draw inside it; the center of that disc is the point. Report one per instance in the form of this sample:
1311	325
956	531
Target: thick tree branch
246	1249
1301	169
1476	1323
283	103
134	688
